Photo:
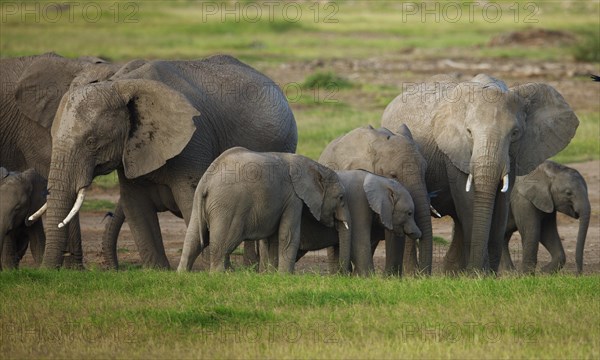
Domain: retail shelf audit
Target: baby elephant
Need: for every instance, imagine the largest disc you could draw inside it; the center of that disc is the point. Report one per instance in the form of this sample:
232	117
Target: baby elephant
536	198
21	194
246	195
376	204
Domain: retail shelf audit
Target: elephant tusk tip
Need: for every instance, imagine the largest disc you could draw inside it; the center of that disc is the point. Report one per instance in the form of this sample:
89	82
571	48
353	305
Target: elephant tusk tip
346	225
30	218
61	225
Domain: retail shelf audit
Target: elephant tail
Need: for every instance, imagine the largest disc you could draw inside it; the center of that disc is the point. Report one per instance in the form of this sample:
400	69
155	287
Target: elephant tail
203	220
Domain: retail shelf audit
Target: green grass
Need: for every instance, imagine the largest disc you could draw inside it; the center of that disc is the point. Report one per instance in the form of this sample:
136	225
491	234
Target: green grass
440	241
141	313
357	29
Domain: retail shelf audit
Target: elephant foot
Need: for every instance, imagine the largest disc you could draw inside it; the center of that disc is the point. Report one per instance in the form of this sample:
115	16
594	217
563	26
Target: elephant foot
551	267
72	263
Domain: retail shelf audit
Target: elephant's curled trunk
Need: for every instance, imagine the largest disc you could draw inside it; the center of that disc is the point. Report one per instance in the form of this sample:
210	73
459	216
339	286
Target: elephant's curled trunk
110	237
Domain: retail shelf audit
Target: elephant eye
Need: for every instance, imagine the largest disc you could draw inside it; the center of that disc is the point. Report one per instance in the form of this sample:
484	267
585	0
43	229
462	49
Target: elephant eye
91	143
515	134
410	213
569	193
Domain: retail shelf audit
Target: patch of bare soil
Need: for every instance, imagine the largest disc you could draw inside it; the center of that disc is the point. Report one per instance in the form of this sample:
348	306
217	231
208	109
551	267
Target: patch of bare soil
534	37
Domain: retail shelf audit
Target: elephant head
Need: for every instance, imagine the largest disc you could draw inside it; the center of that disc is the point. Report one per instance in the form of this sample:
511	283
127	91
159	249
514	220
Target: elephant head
394	156
394	205
323	194
133	124
489	132
21	194
554	187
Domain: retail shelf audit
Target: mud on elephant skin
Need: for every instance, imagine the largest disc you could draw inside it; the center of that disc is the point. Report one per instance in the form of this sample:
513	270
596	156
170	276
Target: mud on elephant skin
161	123
477	136
395	156
536	199
377	205
21	193
247	195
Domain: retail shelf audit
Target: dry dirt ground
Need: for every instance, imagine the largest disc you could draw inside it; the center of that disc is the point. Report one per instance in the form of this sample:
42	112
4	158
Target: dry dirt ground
405	66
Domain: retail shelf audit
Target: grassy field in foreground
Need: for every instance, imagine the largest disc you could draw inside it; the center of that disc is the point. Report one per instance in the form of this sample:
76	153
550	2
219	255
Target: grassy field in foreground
140	314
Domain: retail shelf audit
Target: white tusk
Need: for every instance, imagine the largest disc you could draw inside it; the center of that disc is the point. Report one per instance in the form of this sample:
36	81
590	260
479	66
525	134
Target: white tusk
75	209
38	214
346	225
469	181
434	211
505	183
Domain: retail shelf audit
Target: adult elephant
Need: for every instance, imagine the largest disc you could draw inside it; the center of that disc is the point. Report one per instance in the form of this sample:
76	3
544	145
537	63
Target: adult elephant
160	126
30	91
476	137
538	196
395	156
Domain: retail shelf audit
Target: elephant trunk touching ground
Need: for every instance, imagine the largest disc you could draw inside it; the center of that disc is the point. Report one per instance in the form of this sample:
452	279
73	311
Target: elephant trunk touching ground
489	165
420	197
64	185
110	236
584	222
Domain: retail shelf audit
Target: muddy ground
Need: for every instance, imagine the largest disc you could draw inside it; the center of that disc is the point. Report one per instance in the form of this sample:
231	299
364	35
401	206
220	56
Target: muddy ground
568	78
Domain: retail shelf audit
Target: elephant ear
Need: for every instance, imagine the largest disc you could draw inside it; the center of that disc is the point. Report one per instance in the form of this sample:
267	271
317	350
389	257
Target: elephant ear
450	129
161	124
41	86
535	187
550	125
381	199
404	131
308	179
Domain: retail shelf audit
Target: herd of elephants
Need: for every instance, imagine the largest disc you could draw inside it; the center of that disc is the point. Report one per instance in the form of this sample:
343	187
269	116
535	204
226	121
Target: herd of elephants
213	141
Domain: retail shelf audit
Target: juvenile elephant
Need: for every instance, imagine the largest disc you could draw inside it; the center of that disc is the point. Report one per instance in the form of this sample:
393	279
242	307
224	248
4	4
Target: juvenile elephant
30	91
536	198
21	193
476	137
247	195
160	124
394	156
376	204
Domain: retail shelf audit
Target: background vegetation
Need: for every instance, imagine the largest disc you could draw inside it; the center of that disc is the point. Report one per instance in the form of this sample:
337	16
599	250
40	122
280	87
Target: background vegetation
140	313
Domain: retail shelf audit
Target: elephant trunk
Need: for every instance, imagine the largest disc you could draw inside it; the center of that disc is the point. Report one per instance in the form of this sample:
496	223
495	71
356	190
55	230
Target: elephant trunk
62	188
344	233
110	237
489	170
584	222
423	221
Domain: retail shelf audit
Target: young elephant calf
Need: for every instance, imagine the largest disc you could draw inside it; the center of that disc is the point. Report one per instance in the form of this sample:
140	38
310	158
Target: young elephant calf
376	204
246	195
536	198
20	195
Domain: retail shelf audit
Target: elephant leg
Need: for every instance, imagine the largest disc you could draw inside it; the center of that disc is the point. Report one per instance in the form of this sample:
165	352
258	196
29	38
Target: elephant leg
530	237
394	253
551	241
410	262
143	222
506	263
9	251
251	253
333	258
289	237
73	257
455	259
37	241
224	242
268	254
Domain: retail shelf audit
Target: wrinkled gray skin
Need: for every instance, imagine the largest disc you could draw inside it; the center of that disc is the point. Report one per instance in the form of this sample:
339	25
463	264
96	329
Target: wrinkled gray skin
485	129
21	194
247	195
30	91
536	199
394	156
376	204
160	124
